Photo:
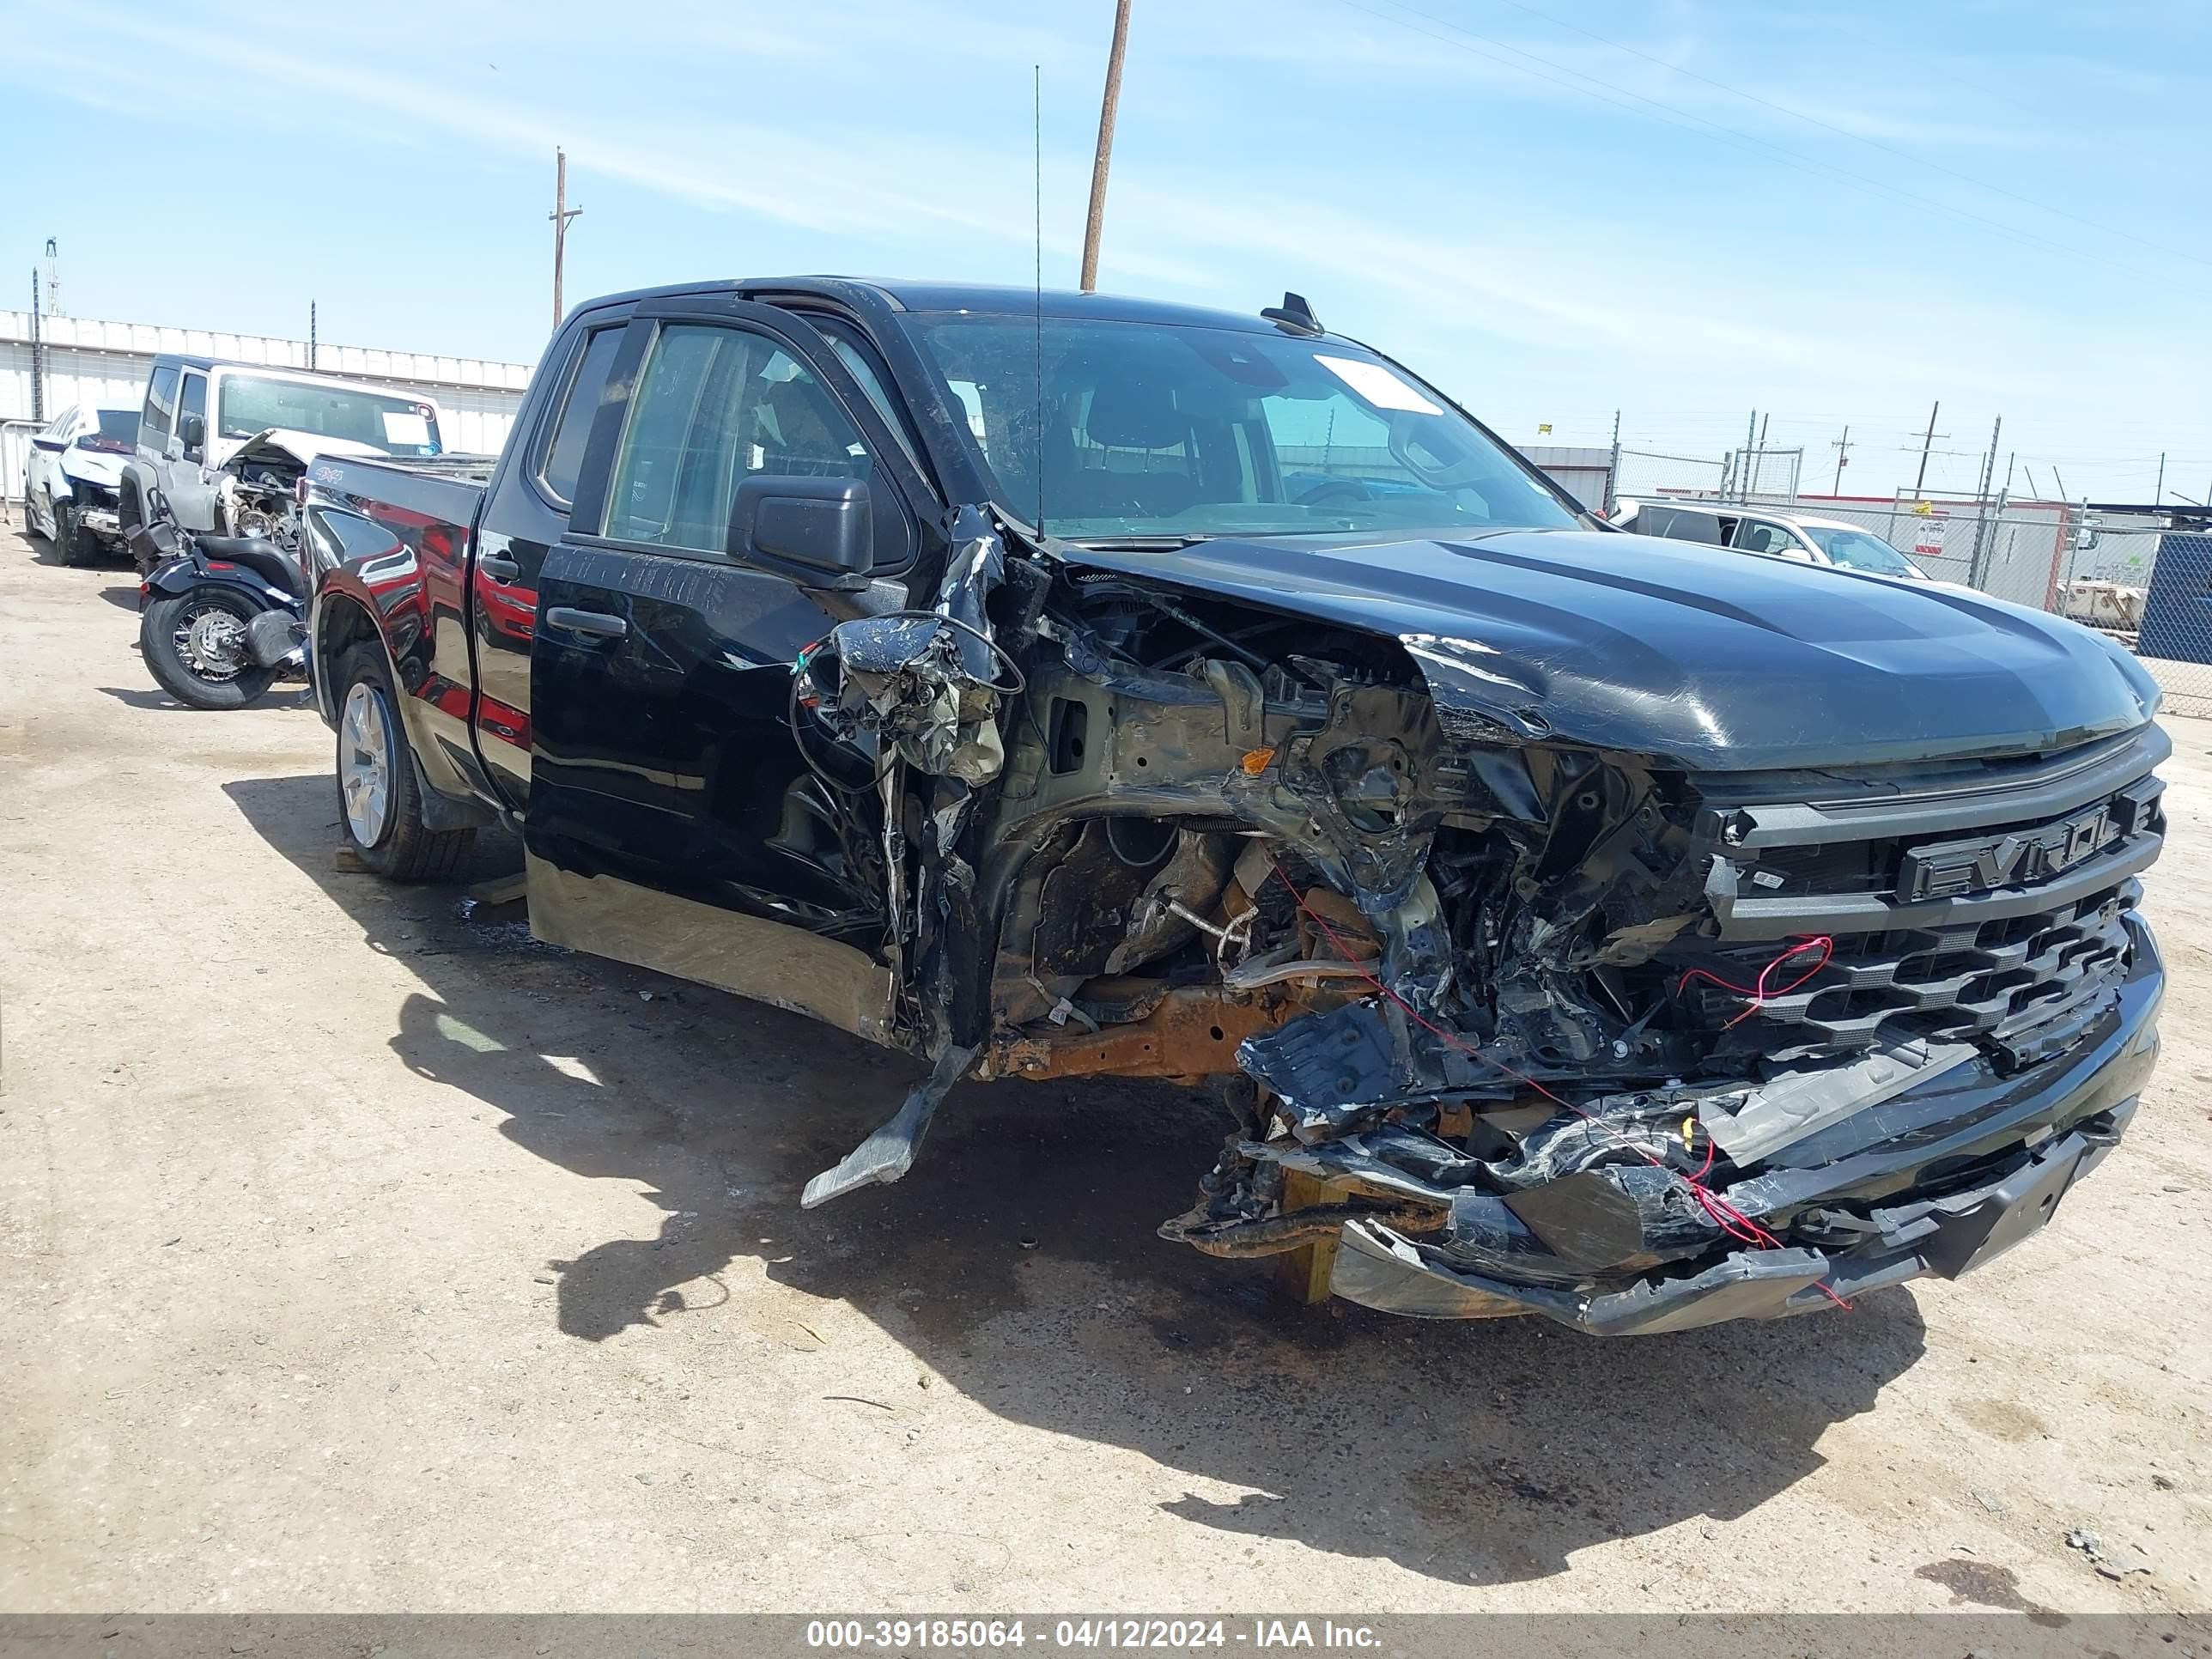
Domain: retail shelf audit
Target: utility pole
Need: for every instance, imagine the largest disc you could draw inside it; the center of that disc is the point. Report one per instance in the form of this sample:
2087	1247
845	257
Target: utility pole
311	334
2159	494
38	357
1982	505
1612	467
560	215
1843	448
1926	443
53	278
1743	477
1106	105
1976	579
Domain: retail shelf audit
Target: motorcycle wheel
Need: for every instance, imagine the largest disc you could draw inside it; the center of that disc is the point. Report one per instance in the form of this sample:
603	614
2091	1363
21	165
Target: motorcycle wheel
195	644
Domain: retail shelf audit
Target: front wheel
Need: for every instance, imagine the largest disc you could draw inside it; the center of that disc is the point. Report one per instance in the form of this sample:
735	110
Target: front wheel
69	542
195	644
379	801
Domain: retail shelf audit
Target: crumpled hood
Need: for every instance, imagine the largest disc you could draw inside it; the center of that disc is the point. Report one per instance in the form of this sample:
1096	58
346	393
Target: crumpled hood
91	466
1712	660
283	443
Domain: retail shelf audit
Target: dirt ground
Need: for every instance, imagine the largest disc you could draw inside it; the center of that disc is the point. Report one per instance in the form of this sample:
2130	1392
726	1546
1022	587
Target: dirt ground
356	1257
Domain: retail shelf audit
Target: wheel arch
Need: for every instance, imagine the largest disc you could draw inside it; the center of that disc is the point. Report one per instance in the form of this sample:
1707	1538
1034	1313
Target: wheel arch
341	622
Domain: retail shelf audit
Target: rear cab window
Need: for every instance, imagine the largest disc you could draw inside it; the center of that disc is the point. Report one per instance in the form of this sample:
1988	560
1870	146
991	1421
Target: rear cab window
560	451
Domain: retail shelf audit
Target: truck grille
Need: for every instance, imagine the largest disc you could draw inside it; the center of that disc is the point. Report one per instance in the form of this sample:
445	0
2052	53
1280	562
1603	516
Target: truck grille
1947	925
2012	980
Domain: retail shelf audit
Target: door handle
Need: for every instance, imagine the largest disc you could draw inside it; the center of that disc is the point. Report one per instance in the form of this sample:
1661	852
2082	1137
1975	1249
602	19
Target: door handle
499	567
598	623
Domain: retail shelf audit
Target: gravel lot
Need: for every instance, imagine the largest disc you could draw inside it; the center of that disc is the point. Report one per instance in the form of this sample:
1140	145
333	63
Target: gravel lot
355	1256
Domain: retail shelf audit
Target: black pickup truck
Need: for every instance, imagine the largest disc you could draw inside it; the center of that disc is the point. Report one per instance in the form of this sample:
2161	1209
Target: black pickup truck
1572	922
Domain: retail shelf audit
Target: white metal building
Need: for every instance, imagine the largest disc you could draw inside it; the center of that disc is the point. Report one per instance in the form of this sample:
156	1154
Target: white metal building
105	364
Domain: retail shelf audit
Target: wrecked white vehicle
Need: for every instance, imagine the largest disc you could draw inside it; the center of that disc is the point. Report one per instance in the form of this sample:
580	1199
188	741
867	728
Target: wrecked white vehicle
1574	923
221	446
69	479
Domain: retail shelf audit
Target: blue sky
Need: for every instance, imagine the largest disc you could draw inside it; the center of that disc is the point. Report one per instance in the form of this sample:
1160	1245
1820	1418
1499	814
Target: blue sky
1834	213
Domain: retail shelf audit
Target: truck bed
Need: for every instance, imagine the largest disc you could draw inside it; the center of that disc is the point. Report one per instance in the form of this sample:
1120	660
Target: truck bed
443	488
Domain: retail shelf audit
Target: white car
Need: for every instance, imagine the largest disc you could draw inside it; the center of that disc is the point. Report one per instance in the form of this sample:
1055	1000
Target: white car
1798	535
71	481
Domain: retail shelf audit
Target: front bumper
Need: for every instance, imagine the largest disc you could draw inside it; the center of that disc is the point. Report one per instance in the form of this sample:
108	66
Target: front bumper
2066	1113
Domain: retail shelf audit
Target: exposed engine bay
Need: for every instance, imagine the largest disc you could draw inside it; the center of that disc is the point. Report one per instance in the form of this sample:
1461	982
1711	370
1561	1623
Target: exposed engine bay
255	494
1510	1024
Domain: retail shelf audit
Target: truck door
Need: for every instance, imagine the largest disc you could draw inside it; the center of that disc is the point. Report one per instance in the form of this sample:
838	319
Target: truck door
156	423
524	514
673	821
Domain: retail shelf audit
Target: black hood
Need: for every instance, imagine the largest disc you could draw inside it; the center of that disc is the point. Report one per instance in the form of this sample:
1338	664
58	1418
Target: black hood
1708	659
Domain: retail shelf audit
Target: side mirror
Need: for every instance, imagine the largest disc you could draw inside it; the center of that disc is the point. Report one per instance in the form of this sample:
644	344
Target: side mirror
819	525
191	431
51	445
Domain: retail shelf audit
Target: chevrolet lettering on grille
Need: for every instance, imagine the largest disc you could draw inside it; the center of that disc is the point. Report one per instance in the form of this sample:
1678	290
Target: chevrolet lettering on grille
2017	857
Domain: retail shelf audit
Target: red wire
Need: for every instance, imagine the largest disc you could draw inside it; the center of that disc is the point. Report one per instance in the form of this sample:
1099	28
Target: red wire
1760	995
1725	1215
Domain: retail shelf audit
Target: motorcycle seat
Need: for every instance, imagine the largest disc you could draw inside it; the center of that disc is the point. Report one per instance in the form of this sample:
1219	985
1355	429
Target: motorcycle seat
262	557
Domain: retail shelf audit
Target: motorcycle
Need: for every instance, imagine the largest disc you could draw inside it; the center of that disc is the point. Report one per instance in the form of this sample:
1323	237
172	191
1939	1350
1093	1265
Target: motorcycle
221	617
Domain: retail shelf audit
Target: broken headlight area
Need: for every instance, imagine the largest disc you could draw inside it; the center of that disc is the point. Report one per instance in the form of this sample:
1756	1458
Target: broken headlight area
1515	1024
90	492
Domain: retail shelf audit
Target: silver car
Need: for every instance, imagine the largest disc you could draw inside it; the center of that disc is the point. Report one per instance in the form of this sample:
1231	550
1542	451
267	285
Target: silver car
1748	529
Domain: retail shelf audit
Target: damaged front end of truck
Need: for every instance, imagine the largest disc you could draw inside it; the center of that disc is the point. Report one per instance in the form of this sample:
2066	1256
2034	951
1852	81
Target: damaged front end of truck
1512	1011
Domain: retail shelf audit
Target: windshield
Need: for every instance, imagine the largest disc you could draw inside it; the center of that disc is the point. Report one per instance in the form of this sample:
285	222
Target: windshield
1861	551
109	431
1150	431
397	426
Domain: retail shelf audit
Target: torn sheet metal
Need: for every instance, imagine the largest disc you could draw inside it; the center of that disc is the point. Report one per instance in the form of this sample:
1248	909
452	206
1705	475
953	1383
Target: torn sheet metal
889	1153
1750	1124
903	678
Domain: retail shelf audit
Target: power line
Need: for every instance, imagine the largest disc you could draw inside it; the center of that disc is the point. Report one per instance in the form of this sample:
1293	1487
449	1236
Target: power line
1683	118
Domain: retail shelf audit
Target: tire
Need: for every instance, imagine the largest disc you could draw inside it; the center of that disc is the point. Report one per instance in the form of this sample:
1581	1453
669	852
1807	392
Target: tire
69	546
379	801
164	639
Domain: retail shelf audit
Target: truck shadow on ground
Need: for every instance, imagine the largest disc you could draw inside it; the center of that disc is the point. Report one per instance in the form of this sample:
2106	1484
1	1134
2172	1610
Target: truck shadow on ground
1018	1263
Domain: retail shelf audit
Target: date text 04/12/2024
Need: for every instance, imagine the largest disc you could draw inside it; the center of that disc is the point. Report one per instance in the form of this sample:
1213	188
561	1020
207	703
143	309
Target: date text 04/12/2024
1165	1635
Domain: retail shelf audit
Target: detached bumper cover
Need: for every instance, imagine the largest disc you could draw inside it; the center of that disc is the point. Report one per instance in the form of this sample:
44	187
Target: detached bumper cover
2066	1114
